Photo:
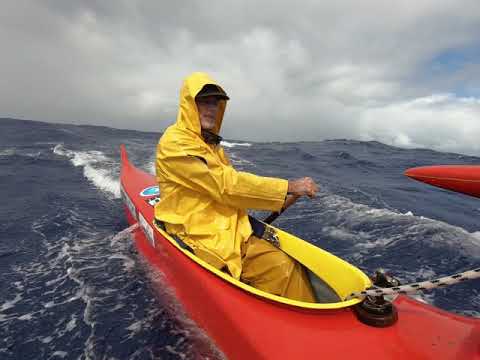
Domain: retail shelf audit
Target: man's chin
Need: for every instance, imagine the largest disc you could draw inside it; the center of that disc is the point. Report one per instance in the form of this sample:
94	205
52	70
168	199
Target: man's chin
210	126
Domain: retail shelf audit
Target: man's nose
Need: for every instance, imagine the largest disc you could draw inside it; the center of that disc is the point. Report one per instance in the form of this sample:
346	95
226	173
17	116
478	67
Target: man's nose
211	109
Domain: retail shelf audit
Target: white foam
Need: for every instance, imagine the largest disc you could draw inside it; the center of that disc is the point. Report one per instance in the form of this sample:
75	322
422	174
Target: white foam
10	304
32	155
200	345
128	263
20	152
49	304
7	152
124	234
425	274
151	168
71	324
341	233
135	326
476	235
373	244
90	161
342	219
26	317
426	298
236	160
45	143
46	340
61	354
103	181
472	313
233	144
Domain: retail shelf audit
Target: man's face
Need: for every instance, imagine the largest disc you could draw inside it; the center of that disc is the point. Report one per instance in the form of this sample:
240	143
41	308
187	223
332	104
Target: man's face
208	108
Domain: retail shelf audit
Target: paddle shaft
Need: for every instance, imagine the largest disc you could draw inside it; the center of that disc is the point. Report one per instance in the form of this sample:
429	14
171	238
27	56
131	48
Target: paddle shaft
291	199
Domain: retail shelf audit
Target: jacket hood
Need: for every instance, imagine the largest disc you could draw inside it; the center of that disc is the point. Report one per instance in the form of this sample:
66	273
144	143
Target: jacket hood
188	117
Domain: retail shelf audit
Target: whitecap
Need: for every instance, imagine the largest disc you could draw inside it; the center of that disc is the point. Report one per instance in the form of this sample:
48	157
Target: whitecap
91	162
46	340
61	354
233	144
10	304
135	326
71	324
368	227
380	242
236	160
26	317
7	152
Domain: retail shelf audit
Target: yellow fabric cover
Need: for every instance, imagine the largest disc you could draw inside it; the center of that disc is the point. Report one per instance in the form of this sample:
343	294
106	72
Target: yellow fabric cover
204	200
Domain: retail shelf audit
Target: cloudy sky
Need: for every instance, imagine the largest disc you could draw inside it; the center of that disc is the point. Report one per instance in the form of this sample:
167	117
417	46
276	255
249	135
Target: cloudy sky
404	73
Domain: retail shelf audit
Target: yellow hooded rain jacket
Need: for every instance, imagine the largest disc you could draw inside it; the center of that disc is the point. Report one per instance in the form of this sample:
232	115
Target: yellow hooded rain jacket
204	200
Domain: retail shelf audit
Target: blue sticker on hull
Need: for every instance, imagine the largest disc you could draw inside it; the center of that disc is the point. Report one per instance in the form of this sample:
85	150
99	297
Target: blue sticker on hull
150	191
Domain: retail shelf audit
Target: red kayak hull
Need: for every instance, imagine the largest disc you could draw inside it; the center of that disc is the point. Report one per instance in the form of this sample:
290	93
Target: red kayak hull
460	178
244	326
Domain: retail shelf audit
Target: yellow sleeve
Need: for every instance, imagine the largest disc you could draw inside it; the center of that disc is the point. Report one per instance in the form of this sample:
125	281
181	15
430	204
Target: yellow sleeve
223	183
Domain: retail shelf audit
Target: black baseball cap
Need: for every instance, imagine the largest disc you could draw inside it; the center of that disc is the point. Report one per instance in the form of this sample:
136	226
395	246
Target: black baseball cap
212	90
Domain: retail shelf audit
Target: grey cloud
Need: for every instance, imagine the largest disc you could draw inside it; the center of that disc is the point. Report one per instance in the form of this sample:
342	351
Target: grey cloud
313	67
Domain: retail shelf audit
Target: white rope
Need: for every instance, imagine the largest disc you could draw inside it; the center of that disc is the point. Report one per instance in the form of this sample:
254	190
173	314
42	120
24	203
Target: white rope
420	286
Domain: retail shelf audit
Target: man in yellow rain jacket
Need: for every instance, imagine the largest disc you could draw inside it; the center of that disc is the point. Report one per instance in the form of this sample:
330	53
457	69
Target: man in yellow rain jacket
204	200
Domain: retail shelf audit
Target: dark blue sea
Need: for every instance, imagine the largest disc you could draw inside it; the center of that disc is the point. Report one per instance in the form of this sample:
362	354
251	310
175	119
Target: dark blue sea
72	285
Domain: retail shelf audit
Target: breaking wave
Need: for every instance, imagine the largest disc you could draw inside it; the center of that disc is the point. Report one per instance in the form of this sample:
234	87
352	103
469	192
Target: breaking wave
370	227
93	163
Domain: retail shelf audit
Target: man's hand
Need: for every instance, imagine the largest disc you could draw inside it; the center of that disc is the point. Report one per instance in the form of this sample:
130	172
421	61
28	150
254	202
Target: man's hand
303	186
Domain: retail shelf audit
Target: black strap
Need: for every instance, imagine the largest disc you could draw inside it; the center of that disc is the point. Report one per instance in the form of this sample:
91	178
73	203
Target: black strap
258	227
179	241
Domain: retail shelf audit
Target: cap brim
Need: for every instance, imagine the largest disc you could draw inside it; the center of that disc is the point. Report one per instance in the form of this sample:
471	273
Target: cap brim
217	94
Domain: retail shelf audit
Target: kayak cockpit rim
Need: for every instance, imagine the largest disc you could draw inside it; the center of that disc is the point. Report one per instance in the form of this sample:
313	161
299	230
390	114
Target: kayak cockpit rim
362	280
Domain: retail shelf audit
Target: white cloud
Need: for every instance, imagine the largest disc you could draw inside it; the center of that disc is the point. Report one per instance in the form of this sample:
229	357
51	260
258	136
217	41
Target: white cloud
442	121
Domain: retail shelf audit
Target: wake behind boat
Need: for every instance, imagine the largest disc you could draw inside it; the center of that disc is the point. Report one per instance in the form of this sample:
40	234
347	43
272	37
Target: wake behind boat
245	322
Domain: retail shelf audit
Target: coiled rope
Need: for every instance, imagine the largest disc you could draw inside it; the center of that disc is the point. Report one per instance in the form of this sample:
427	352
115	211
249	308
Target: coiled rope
415	287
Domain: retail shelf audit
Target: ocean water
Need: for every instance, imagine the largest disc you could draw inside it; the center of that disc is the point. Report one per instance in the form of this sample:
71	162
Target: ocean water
73	285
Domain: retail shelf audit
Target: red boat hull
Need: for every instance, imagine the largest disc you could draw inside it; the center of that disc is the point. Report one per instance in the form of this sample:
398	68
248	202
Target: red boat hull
460	178
244	326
